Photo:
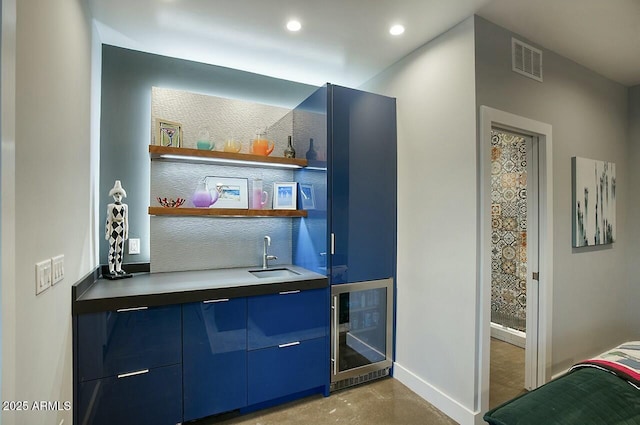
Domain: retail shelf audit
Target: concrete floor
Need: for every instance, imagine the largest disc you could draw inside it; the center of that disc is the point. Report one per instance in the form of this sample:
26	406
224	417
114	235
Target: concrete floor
506	379
385	401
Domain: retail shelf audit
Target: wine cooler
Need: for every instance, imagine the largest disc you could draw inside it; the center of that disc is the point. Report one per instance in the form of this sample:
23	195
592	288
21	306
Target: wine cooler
361	332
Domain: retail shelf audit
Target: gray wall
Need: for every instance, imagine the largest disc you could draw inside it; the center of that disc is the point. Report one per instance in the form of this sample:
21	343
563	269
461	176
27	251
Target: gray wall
634	209
127	79
437	224
589	117
53	210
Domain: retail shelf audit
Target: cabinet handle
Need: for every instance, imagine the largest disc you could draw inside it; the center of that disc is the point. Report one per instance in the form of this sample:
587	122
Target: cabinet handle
289	292
333	243
123	310
138	372
220	300
334	307
290	344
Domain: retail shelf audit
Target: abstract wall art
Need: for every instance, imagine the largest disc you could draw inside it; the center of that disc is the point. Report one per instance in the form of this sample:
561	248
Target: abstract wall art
594	202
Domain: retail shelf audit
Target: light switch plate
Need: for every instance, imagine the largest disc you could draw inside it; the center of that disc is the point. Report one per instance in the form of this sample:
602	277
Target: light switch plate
57	269
134	246
43	276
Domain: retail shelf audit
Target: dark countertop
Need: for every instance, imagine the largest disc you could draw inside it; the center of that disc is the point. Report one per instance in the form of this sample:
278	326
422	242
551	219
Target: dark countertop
154	289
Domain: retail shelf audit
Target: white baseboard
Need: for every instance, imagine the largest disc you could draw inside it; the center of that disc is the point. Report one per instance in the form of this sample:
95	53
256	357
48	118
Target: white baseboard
437	398
512	336
559	374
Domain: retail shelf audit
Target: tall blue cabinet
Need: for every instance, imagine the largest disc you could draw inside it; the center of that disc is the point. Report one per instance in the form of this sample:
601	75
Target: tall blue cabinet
350	235
362	183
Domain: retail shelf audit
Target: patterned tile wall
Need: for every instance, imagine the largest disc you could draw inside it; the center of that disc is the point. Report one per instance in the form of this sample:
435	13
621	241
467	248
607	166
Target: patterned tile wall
508	229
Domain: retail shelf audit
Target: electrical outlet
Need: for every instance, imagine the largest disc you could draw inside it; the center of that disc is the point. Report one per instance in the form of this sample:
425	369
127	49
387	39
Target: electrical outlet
43	276
134	246
57	269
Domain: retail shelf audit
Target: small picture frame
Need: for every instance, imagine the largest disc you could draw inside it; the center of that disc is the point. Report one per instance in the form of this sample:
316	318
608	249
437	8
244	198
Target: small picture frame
168	133
307	197
285	196
232	192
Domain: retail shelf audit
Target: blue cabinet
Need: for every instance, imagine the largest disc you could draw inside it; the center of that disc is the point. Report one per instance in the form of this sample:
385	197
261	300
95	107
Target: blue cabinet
351	237
149	397
173	364
362	185
214	357
128	340
288	344
287	369
287	317
129	366
351	234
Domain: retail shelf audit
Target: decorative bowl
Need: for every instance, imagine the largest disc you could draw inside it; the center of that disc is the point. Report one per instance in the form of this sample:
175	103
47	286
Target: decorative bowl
170	202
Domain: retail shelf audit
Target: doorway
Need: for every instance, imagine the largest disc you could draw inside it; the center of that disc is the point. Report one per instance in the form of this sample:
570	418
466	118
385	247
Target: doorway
513	240
524	299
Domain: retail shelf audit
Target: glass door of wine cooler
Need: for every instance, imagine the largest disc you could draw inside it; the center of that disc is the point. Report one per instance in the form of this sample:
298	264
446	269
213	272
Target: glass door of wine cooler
361	331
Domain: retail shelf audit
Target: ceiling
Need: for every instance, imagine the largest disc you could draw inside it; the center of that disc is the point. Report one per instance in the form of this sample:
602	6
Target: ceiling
348	42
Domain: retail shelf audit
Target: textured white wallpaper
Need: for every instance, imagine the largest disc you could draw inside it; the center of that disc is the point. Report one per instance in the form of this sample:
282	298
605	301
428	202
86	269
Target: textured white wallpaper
196	243
224	118
310	125
199	243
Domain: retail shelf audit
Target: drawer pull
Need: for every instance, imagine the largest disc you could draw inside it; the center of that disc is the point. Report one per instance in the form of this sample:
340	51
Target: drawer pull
138	372
122	310
289	292
220	300
290	344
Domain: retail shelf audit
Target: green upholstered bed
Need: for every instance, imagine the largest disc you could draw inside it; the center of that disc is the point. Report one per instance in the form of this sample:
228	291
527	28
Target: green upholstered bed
600	391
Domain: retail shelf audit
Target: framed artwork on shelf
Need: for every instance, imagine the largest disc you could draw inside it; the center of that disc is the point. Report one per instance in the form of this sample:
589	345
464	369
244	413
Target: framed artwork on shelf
232	192
307	197
285	196
594	202
168	133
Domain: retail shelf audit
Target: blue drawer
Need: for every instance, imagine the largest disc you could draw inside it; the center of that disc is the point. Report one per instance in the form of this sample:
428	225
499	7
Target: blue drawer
154	397
288	316
214	357
111	343
280	371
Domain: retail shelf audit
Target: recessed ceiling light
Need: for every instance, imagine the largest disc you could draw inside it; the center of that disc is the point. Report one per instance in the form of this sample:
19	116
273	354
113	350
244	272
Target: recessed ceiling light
294	25
396	29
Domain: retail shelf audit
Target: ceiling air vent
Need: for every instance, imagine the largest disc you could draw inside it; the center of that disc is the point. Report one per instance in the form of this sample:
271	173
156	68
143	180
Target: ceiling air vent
526	60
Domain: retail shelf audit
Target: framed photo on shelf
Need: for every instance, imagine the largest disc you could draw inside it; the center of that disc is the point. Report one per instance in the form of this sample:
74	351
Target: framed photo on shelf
285	196
168	133
307	197
232	192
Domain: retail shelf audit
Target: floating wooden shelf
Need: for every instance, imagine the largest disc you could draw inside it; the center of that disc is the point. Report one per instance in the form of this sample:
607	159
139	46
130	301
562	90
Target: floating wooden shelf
227	158
225	212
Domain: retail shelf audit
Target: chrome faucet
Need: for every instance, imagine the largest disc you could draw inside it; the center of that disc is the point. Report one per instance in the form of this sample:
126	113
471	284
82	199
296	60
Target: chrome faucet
266	257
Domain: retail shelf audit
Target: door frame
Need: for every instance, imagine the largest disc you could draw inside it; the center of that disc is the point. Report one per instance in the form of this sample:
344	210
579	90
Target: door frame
489	118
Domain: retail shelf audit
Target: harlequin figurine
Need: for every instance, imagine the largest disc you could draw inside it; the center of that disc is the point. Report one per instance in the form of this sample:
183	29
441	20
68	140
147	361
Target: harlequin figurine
117	231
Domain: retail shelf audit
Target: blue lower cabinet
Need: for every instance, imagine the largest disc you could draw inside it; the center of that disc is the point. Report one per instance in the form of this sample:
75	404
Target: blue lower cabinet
287	316
116	342
287	369
214	357
146	397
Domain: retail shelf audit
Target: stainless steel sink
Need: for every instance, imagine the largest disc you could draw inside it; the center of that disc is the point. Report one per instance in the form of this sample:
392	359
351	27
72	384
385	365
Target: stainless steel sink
274	273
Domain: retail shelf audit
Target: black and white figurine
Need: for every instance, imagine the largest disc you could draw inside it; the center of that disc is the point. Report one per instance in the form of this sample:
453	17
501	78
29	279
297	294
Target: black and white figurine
117	231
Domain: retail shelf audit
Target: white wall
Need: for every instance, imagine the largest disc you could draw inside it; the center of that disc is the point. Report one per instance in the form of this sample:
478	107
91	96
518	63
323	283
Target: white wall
7	198
53	179
588	114
634	210
437	224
